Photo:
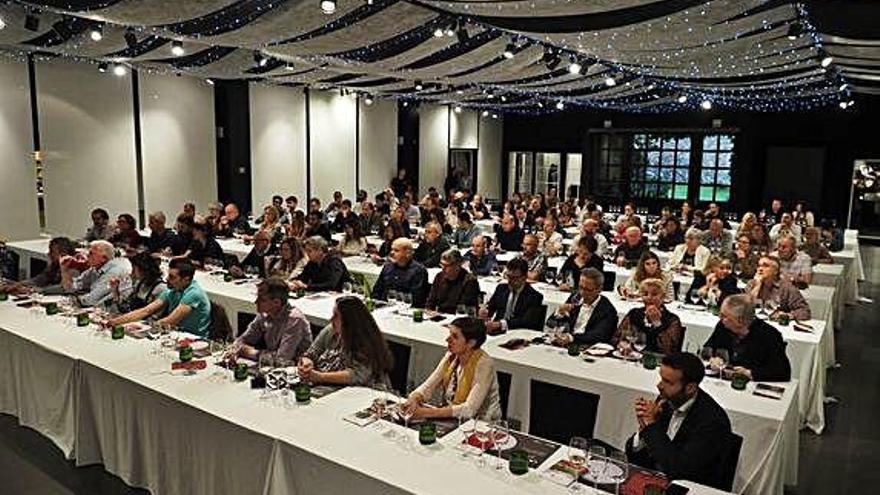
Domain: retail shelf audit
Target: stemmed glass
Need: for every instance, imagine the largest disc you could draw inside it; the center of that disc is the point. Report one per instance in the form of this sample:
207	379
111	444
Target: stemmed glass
483	432
460	310
694	296
724	358
406	299
617	470
347	288
393	297
577	456
640	342
706	354
596	463
467	426
500	434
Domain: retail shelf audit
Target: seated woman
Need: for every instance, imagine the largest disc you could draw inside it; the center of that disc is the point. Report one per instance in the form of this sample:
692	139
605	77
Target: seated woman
297	226
353	242
745	260
690	256
760	240
648	267
126	235
465	378
717	282
390	232
663	331
348	351
271	224
749	220
671	235
146	284
290	261
584	257
203	248
49	280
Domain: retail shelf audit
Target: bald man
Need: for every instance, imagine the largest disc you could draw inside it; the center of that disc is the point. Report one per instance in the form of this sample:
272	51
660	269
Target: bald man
256	259
403	274
632	248
232	223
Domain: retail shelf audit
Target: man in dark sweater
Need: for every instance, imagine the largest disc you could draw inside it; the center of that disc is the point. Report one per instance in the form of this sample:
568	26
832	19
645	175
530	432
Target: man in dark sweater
509	235
433	245
453	285
324	271
754	347
403	274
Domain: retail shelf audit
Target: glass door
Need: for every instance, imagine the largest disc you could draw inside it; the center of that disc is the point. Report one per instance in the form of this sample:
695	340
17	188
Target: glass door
573	162
519	177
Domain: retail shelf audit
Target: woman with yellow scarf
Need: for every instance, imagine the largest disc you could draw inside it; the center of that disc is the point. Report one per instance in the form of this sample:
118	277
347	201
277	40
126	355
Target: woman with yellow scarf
465	378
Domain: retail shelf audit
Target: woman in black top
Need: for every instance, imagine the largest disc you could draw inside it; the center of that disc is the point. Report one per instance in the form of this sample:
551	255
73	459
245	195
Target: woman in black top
203	247
390	232
584	257
148	284
672	235
717	283
663	330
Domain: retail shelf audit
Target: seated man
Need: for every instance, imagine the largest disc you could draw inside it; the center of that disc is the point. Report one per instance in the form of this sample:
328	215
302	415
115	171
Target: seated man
203	249
479	208
279	332
536	262
103	265
370	219
232	223
515	304
315	226
256	258
632	248
817	252
683	431
183	304
716	239
768	286
162	239
753	346
588	317
590	228
465	232
47	281
324	271
509	235
403	274
453	285
480	261
100	229
794	266
786	226
434	244
344	215
126	235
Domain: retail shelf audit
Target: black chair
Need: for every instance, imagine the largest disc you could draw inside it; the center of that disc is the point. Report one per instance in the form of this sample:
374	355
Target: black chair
400	373
503	391
543	312
559	413
221	330
729	462
610	280
244	319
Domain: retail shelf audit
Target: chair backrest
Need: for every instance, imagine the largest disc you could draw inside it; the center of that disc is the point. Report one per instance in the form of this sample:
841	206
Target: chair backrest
610	280
729	461
221	330
543	313
557	413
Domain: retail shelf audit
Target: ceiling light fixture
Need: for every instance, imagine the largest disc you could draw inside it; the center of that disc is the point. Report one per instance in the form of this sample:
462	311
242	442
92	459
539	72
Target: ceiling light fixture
574	67
682	99
209	81
706	105
825	59
102	66
843	87
328	6
509	50
289	66
560	105
795	30
610	81
419	86
457	109
119	70
177	48
368	99
438	33
2	23
485	113
260	59
96	33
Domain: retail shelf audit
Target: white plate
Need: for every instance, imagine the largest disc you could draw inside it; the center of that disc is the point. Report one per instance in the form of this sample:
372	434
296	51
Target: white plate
199	345
632	356
602	473
600	349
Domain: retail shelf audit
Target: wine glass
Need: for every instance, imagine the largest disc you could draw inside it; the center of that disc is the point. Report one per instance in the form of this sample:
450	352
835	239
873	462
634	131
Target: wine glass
577	456
596	463
759	303
483	433
406	299
640	342
467	426
706	354
617	470
723	358
772	305
393	297
460	310
347	288
694	296
500	434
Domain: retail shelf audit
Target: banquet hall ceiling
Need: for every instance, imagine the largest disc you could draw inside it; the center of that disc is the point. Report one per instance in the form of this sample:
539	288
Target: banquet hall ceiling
510	55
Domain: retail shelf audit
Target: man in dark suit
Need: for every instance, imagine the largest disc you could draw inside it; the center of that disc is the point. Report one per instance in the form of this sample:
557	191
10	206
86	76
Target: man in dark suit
588	316
514	304
684	432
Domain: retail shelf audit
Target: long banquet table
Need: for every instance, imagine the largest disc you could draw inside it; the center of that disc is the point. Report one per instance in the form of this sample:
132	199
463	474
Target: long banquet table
115	403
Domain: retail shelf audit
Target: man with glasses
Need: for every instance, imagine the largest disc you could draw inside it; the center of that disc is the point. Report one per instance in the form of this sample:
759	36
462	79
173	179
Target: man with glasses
754	347
587	317
280	332
514	304
324	271
93	284
769	287
183	304
794	265
403	274
433	246
453	286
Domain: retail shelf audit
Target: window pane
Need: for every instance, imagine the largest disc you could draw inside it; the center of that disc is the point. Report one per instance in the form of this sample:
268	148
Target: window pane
681	192
640	141
724	160
650	190
684	143
664	191
709	159
683	159
706	193
652	173
722	194
653	141
707	177
669	143
638	158
667	158
666	174
654	158
727	142
681	175
724	177
710	143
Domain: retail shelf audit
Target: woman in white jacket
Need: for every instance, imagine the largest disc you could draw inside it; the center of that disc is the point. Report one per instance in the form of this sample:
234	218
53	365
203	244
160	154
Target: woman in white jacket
690	256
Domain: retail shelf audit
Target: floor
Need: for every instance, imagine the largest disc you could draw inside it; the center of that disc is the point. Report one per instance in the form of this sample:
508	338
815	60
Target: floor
839	461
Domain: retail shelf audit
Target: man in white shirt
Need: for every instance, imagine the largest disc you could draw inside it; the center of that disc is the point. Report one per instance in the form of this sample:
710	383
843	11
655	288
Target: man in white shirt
588	316
94	283
590	227
795	265
786	227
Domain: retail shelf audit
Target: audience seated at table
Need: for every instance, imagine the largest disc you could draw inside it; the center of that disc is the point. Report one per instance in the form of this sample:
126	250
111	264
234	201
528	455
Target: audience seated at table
480	259
183	226
315	207
324	271
432	246
271	224
297	226
632	248
515	304
587	317
716	239
203	249
812	246
183	304
280	334
662	329
47	281
232	223
648	267
162	240
101	228
143	287
786	226
464	382
465	232
769	287
773	215
344	216
315	226
353	241
215	213
257	258
754	348
453	286
549	240
591	228
686	215
92	285
717	282
748	221
290	262
760	240
477	208
126	235
682	432
745	257
536	261
583	256
349	351
802	215
794	265
690	256
671	235
509	236
403	274
369	219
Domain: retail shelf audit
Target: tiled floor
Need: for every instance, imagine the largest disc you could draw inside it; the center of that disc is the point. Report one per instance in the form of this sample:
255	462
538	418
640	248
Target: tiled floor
839	461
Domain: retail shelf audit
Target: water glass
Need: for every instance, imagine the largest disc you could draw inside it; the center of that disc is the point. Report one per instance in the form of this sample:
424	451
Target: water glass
467	427
596	463
617	470
500	435
577	456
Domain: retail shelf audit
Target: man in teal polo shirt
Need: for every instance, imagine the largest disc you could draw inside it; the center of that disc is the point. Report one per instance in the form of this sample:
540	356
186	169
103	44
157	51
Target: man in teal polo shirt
184	303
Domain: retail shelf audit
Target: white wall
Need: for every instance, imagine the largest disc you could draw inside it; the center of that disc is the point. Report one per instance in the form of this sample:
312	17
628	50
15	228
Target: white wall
278	143
378	145
463	129
489	158
433	146
18	188
332	144
179	147
87	136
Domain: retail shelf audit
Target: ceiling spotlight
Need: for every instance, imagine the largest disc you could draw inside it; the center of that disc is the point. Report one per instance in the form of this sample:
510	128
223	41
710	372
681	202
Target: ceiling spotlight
706	105
103	66
459	91
419	86
289	66
560	105
610	81
32	22
485	113
449	32
177	48
368	99
462	34
438	33
2	23
574	67
850	103
260	59
843	87
490	94
554	62
508	50
494	115
130	38
503	98
842	105
328	6
795	30
457	109
370	2
682	99
826	59
406	103
119	70
209	81
97	32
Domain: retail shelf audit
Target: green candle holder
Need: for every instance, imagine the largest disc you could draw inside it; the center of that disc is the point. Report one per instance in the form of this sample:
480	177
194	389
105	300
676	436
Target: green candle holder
185	354
4	296
240	372
83	320
574	349
427	433
303	392
117	332
418	315
649	360
51	308
739	381
518	463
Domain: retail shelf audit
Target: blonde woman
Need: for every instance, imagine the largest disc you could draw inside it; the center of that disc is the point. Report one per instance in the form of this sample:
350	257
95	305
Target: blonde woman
648	267
662	329
749	220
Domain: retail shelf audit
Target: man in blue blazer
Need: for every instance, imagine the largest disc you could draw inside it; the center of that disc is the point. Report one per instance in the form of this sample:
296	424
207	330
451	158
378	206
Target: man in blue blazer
514	304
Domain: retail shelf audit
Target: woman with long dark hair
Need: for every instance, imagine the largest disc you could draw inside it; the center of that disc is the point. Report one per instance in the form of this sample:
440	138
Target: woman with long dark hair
146	284
290	261
349	351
